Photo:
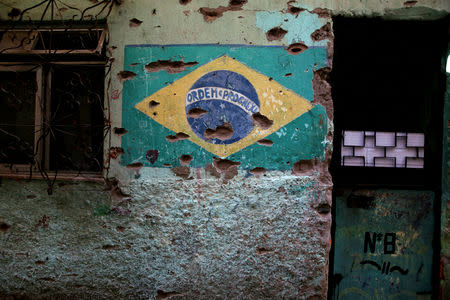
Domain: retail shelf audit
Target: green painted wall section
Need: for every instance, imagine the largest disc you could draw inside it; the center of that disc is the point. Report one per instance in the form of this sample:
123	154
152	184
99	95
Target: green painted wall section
303	138
403	272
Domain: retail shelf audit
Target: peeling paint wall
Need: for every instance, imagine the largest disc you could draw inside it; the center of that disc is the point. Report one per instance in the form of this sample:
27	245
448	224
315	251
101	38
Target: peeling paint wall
444	268
183	219
383	244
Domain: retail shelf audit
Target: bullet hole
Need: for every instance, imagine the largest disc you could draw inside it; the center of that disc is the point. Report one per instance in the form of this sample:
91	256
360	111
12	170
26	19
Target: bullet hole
186	12
322	33
223	165
185	159
125	75
154	12
153	104
135	167
288	75
223	132
120	228
265	142
167	165
169	66
43	222
303	167
177	137
161	295
322	90
262	251
182	171
262	121
40	262
14	13
109	247
230	174
4	227
324	208
270	78
47	279
281	189
135	22
212	170
275	34
196	112
296	48
133	64
31	196
155	113
185	2
171	138
257	171
406	3
321	12
114	152
211	14
236	4
293	10
120	131
152	156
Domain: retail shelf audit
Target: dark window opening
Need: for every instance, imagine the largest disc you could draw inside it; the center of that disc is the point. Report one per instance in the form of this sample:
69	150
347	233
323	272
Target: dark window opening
17	116
77	118
52	117
389	77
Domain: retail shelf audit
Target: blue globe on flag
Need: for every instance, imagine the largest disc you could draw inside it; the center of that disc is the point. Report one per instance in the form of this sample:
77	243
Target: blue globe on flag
226	101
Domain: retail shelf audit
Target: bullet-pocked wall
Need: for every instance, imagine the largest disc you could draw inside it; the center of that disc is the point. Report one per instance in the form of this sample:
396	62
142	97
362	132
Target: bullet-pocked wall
226	109
221	124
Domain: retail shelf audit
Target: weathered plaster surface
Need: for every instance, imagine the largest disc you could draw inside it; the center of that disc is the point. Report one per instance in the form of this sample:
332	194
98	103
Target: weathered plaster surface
250	239
254	237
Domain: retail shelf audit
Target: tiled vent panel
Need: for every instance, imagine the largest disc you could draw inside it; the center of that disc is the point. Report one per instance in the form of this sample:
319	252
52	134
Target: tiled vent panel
382	149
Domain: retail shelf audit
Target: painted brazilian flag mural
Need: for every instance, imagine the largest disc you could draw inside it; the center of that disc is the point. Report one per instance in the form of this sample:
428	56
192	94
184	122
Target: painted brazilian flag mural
245	103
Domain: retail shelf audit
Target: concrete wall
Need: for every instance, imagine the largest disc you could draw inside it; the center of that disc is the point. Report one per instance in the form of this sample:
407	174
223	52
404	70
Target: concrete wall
208	228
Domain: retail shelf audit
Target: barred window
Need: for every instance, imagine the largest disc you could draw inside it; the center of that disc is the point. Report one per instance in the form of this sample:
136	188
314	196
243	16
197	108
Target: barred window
52	115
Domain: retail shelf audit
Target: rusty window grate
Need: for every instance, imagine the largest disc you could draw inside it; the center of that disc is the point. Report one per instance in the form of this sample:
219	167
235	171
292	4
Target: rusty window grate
52	40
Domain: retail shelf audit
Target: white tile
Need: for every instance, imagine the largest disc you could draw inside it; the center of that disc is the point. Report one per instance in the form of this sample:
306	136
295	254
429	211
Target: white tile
421	152
346	151
353	161
385	139
401	142
370	133
370	142
369	154
416	163
385	162
400	155
415	140
353	138
401	133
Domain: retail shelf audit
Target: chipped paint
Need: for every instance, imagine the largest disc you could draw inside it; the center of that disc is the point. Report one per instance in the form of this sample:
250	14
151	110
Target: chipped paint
299	28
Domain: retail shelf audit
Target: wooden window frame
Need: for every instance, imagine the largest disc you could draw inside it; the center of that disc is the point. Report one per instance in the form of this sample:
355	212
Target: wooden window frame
44	109
17	49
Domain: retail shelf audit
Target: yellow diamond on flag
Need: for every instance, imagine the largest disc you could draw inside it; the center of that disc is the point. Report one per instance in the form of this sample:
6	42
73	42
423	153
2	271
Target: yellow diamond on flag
214	105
